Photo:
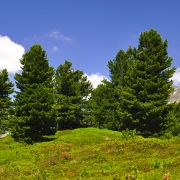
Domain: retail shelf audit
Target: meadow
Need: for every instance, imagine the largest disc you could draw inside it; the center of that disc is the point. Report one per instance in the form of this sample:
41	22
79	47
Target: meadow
91	154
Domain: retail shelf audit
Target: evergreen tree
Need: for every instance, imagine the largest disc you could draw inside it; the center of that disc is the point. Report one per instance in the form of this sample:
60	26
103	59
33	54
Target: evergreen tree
105	104
148	86
120	69
173	128
34	101
103	107
6	89
72	90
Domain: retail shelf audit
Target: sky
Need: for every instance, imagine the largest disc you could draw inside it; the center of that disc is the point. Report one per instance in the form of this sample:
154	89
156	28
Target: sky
87	33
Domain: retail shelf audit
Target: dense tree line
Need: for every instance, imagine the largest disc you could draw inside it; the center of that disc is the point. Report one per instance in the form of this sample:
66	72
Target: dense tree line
141	86
136	97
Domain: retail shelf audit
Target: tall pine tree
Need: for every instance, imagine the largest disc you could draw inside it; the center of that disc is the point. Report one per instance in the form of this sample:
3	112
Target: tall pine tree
148	86
72	90
6	89
105	104
119	69
34	101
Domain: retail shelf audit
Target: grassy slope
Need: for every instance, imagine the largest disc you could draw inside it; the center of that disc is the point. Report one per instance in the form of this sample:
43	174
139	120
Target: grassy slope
90	154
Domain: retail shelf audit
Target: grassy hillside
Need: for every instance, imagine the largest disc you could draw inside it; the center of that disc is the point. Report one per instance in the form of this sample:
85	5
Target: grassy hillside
91	154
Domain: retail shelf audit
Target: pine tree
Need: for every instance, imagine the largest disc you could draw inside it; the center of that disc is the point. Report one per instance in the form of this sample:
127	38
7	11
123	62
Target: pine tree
34	101
148	86
174	120
119	68
104	107
105	104
72	90
6	89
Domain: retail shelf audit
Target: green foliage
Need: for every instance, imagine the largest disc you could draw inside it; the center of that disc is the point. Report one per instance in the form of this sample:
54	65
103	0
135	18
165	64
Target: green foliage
173	119
120	66
72	90
90	153
157	164
34	113
135	101
129	134
103	108
6	89
105	103
142	77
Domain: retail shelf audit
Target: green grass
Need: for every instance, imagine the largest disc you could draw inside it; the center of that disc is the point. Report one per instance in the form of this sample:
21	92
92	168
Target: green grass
90	153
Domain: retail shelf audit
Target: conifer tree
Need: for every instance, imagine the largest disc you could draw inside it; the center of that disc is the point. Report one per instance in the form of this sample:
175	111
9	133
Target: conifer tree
6	89
141	83
148	86
120	66
174	120
119	69
103	107
72	90
105	104
34	101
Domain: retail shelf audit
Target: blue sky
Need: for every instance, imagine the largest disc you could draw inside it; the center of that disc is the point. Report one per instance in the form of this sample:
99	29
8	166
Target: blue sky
88	33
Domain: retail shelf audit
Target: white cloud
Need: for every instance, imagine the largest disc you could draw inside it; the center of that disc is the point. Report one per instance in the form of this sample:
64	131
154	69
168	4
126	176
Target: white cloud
55	48
57	35
95	79
176	77
10	54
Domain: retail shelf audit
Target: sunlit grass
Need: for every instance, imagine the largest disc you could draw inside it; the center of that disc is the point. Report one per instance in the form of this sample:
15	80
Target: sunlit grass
91	153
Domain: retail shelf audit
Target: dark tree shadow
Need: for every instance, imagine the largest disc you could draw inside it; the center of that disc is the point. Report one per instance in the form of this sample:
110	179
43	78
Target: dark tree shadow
47	139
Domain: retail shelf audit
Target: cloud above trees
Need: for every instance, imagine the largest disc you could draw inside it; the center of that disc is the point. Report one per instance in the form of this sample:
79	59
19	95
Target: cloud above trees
57	35
10	54
95	79
176	77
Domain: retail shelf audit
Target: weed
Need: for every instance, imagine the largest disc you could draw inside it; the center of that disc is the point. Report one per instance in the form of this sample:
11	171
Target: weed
167	176
84	172
157	164
45	175
135	171
65	155
130	177
129	134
